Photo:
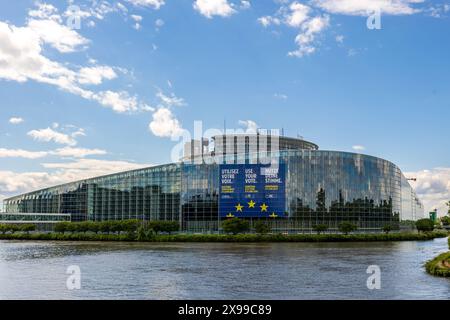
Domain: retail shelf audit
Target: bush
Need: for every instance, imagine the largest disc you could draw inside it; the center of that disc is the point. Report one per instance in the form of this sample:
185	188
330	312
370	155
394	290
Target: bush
27	228
319	228
61	227
387	228
163	226
347	227
4	228
424	225
262	227
105	226
235	226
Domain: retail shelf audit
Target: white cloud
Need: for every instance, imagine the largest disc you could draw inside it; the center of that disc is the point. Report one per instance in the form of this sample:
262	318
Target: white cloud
280	96
19	153
66	152
249	125
48	135
433	188
136	17
159	23
16	120
164	124
155	4
245	5
358	148
298	14
118	101
22	59
309	30
57	35
367	7
45	11
269	20
77	152
20	182
170	100
210	8
339	39
95	75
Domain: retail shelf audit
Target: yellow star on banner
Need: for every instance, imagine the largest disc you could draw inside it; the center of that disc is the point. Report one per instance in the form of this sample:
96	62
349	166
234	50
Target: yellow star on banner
263	207
251	204
230	215
239	207
273	215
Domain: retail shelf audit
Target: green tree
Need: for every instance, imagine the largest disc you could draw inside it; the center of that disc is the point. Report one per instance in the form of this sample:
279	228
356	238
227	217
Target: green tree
319	228
387	228
262	227
347	227
235	226
424	225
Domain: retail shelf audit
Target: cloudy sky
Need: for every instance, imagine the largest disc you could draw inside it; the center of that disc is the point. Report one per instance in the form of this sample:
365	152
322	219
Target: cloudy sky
89	87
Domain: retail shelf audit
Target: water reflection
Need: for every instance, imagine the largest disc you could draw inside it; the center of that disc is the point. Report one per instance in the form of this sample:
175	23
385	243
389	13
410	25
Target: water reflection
36	270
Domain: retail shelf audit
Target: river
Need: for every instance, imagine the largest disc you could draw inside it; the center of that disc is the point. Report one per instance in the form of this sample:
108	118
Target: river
37	270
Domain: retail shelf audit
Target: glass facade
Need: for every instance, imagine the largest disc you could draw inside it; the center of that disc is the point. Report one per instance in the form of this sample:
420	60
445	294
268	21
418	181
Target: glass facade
322	187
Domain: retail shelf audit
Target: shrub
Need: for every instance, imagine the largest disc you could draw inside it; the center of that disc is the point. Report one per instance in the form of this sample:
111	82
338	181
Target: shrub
235	225
13	228
105	227
347	227
61	227
424	225
163	226
387	228
130	225
319	228
262	227
27	228
4	228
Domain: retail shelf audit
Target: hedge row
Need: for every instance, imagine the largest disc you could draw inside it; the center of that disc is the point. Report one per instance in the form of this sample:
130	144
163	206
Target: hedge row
116	226
6	227
152	237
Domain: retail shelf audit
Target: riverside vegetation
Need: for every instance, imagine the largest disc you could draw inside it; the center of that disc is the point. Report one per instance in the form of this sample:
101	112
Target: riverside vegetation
440	266
235	230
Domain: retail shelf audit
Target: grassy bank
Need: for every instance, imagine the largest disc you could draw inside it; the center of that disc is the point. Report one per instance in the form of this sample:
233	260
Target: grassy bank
225	237
440	266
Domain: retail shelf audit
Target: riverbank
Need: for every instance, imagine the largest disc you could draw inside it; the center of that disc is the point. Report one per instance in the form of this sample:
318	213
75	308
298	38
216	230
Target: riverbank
224	237
439	266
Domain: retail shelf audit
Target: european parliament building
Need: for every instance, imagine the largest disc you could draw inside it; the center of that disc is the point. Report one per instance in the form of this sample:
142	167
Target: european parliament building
287	182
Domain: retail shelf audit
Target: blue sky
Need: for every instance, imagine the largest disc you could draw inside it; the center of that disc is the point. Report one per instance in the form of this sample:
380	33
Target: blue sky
114	93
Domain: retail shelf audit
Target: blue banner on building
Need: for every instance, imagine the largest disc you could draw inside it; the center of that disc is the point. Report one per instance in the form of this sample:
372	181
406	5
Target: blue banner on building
252	190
